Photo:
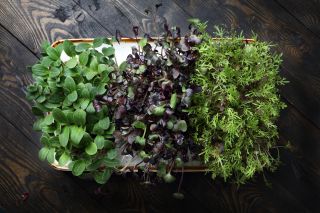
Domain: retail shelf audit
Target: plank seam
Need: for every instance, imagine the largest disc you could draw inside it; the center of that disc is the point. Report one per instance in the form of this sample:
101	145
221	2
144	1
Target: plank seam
297	19
93	17
186	12
18	129
301	113
23	44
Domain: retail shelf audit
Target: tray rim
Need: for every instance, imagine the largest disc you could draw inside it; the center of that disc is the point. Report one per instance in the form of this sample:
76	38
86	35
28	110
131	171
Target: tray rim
125	39
187	169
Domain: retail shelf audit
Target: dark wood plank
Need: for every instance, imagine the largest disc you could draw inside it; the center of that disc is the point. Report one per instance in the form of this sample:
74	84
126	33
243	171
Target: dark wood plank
300	47
14	78
128	194
300	171
22	172
307	12
122	15
37	20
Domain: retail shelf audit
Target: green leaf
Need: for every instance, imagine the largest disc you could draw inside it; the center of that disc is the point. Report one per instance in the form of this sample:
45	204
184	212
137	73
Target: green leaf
86	139
64	136
46	61
194	21
123	66
91	149
78	167
138	125
54	72
41	99
111	129
82	47
69	48
79	117
90	108
36	111
72	97
141	69
50	156
158	111
101	89
69	84
59	48
85	93
108	144
66	103
53	53
97	42
111	163
72	63
99	141
104	123
48	120
94	64
112	154
94	165
54	140
181	125
173	100
140	140
102	177
130	92
64	159
76	134
90	74
102	67
45	45
109	51
143	42
143	154
161	169
84	103
84	58
153	137
43	153
57	63
39	70
37	124
59	116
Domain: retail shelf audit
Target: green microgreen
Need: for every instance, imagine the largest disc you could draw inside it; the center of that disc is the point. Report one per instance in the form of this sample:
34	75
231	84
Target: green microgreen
73	132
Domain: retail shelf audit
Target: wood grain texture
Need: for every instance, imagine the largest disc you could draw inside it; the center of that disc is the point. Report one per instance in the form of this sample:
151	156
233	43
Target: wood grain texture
14	78
124	14
307	12
300	47
36	21
128	194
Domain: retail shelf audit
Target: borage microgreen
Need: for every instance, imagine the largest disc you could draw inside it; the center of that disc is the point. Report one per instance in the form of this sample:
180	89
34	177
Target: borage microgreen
73	131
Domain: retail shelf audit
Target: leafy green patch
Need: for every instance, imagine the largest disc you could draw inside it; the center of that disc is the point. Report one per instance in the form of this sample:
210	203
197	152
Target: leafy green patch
234	115
73	130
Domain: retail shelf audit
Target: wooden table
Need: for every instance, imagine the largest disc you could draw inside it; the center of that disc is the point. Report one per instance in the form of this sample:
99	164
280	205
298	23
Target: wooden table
29	185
